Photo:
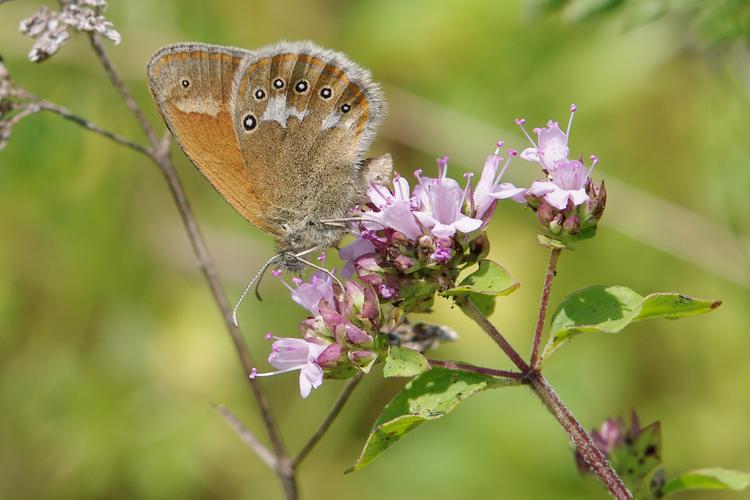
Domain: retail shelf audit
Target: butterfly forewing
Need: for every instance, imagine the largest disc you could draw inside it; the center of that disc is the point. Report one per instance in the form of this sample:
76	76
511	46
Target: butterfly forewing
192	85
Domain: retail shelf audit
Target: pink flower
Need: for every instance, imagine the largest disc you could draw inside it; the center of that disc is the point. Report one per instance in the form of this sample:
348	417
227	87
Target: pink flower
352	252
289	354
394	209
552	145
567	184
309	295
442	201
489	188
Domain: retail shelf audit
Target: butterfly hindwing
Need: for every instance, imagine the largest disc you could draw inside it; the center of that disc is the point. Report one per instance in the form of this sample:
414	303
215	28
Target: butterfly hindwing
304	141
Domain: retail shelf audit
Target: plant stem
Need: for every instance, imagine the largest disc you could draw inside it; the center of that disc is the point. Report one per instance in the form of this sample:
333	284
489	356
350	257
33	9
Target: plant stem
474	313
543	303
117	82
247	437
466	367
533	377
582	440
69	115
332	414
161	155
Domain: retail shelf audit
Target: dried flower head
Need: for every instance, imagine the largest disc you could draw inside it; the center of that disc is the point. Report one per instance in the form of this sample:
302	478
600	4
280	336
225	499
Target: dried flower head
51	29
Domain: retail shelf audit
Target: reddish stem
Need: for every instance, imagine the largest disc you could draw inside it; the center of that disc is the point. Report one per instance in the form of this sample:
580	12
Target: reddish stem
466	367
585	445
543	303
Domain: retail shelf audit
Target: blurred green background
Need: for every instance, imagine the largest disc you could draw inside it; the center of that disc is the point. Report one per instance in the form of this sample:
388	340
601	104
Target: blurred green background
111	350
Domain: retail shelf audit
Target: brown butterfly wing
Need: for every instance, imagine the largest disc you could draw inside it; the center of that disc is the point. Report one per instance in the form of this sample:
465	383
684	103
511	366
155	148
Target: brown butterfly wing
192	86
304	117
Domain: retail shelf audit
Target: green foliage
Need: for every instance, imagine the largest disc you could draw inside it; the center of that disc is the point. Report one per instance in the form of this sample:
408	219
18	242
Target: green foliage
404	362
707	479
429	396
609	309
483	285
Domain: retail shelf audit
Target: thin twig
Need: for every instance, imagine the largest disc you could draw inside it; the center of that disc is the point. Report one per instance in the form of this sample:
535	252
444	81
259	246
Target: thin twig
466	367
83	122
471	311
161	155
332	414
208	268
119	85
247	437
543	303
585	445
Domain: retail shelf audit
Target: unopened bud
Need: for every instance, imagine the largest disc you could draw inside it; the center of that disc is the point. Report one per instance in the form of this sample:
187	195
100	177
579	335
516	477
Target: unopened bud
545	213
404	263
572	224
426	242
555	226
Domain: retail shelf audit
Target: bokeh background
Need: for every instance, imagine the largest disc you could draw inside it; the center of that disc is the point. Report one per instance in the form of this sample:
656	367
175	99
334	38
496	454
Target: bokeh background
112	352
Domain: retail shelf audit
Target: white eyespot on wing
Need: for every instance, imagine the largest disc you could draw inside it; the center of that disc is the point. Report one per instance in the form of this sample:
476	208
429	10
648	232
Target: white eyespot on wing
276	110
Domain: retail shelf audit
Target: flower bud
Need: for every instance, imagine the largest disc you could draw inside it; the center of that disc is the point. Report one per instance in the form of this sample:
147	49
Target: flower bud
331	356
356	336
545	213
404	263
362	360
426	242
555	226
572	224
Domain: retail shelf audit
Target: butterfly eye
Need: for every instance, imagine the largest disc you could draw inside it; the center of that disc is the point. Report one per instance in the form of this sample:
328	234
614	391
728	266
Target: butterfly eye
260	94
345	108
326	93
278	84
185	83
249	123
301	87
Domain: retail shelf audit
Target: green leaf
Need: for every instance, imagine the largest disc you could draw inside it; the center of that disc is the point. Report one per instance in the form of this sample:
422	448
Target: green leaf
485	303
490	279
579	10
609	309
429	396
708	479
483	285
404	362
550	242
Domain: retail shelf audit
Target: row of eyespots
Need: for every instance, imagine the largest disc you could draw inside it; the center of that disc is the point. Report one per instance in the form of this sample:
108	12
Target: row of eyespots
301	87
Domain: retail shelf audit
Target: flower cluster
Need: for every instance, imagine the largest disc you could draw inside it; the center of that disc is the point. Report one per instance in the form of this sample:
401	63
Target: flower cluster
340	336
633	450
413	242
566	202
50	28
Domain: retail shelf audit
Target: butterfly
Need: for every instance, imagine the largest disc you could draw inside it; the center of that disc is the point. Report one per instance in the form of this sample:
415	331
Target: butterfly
280	132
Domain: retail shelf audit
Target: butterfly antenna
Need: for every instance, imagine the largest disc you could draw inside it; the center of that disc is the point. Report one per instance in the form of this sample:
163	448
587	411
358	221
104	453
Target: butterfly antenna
322	269
256	279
